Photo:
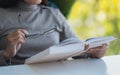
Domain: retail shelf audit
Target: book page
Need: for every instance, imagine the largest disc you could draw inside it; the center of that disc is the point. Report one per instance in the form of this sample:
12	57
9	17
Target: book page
95	42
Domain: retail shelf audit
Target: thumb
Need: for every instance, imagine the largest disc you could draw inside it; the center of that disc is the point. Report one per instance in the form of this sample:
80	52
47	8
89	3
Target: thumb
18	46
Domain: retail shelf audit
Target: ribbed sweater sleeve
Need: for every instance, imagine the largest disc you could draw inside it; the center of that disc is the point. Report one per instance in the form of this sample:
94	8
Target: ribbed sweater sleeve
2	60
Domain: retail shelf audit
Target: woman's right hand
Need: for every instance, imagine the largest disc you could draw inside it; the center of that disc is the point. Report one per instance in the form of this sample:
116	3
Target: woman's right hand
15	40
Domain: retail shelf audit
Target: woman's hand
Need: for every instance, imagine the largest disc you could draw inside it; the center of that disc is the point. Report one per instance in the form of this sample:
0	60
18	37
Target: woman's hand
15	40
97	52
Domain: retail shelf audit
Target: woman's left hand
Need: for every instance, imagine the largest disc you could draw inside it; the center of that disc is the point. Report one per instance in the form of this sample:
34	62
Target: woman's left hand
97	52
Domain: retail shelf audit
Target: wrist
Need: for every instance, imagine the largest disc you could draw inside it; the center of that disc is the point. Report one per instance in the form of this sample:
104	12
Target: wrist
6	55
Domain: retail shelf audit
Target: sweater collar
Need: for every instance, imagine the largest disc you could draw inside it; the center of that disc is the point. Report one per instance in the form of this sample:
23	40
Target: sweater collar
26	7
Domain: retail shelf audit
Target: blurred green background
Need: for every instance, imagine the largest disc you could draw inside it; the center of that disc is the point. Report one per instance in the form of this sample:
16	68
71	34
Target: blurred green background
94	18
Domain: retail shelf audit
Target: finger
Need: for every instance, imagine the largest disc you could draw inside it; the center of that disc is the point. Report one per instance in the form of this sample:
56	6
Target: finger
97	54
24	32
103	45
97	47
100	54
94	49
19	40
100	47
97	50
14	40
22	35
18	46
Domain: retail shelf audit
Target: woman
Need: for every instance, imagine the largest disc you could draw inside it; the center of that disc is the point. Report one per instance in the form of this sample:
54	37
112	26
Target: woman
28	27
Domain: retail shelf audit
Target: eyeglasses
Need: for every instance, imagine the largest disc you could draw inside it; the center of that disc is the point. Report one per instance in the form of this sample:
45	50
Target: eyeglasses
42	33
36	35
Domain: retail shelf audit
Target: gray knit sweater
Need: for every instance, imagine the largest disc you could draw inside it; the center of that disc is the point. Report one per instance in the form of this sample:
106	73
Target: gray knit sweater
46	27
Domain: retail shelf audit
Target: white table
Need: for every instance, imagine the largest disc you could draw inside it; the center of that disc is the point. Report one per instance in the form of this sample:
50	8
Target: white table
109	65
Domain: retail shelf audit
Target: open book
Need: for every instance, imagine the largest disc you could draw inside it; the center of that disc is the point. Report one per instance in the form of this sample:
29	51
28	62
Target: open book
67	48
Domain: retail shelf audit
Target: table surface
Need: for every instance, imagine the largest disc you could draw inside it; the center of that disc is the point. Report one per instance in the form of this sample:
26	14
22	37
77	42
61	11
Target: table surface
108	65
